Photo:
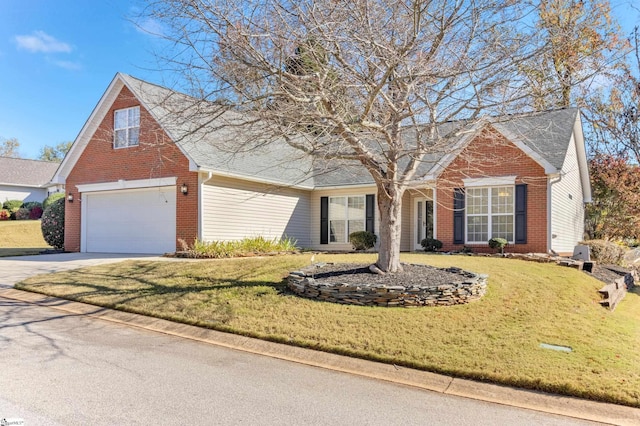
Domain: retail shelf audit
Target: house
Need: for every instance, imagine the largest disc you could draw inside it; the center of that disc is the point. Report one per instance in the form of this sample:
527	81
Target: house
141	180
26	180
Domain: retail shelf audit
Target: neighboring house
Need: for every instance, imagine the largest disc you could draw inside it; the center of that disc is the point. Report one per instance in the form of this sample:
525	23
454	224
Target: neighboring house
26	180
142	180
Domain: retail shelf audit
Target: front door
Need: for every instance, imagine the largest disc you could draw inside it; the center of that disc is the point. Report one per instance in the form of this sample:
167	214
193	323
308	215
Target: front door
423	221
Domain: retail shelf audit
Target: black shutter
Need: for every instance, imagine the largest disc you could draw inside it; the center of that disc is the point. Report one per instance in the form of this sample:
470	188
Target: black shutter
370	213
458	216
521	214
324	220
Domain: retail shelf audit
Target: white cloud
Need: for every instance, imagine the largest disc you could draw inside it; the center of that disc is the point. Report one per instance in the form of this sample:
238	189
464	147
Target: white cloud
40	41
68	65
149	26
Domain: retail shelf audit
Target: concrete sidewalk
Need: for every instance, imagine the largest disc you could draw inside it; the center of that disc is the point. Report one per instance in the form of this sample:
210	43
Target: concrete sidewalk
16	269
555	404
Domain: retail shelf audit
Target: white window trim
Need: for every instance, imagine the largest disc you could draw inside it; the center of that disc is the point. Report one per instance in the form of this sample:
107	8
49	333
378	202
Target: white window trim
489	216
127	128
490	181
346	219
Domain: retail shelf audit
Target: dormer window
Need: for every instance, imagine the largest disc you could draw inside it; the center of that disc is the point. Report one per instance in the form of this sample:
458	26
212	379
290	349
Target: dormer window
126	127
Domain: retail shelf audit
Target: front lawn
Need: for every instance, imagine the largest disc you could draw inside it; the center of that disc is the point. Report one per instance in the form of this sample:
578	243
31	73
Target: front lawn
21	237
496	339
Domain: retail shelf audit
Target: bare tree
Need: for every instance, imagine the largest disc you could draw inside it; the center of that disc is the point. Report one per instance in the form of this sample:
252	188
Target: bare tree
615	111
9	147
366	81
585	46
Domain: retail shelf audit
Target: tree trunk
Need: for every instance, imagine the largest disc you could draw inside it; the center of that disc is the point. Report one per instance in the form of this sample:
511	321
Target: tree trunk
390	206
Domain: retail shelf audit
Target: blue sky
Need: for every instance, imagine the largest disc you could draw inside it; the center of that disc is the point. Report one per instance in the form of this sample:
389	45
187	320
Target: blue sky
58	56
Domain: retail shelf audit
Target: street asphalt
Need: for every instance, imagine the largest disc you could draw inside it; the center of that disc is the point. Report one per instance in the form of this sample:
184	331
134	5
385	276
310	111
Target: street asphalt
21	268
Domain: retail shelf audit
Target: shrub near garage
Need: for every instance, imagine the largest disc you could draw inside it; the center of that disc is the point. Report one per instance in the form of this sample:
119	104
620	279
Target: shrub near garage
12	205
52	198
53	224
5	214
22	214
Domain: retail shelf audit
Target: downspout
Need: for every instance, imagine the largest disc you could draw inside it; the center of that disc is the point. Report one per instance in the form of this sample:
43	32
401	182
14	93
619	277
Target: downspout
202	178
550	182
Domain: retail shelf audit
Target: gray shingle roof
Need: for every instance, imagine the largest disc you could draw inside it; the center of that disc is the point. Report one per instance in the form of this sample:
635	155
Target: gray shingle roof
21	172
210	138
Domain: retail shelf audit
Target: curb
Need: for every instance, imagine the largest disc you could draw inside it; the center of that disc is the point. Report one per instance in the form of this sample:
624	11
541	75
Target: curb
532	400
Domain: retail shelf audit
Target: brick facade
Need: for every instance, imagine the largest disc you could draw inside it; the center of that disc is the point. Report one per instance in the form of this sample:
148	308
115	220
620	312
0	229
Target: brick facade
492	155
156	156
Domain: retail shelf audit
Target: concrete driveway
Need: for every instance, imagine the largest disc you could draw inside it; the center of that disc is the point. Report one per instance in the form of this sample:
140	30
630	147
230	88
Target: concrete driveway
16	269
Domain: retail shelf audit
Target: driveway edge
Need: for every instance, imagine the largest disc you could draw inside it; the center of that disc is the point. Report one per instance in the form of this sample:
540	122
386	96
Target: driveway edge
538	401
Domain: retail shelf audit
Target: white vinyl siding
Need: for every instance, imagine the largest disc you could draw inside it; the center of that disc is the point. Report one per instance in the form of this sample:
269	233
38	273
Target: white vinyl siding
234	209
126	127
8	192
567	207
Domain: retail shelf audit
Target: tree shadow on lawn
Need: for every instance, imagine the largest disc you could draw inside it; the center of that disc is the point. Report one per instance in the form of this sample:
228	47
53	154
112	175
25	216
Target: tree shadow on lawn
136	288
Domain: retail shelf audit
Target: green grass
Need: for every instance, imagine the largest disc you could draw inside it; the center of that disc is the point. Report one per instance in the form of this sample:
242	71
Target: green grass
496	339
21	237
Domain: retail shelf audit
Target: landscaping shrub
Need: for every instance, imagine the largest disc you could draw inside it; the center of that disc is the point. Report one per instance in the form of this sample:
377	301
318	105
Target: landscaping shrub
22	214
51	198
498	243
362	240
35	213
605	252
12	205
31	204
241	248
431	244
5	214
53	224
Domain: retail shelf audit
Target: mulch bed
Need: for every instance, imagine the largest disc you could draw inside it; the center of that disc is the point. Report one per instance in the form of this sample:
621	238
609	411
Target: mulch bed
412	275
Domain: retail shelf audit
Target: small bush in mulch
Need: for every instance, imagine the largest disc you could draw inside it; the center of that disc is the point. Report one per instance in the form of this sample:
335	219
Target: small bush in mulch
431	244
362	240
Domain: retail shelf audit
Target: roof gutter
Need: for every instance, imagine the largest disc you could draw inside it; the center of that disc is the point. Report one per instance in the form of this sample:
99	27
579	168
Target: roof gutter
219	173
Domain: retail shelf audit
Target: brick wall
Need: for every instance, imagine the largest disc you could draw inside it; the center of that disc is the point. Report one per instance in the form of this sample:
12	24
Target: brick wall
156	156
490	154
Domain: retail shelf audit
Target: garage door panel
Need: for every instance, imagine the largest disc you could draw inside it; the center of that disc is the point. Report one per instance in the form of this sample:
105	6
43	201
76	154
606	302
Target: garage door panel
136	221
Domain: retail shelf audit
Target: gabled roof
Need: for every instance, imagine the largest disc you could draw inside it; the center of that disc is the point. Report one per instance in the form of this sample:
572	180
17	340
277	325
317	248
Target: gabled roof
207	135
29	173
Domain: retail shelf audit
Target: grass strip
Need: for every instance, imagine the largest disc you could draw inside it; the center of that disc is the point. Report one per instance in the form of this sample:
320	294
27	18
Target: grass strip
496	339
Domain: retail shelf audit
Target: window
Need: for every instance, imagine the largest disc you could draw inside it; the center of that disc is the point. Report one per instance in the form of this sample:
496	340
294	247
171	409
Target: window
490	214
346	215
126	127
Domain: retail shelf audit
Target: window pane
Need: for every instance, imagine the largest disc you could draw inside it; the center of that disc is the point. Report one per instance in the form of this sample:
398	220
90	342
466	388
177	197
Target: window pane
134	117
336	207
356	226
477	201
336	231
120	119
121	138
477	228
502	200
133	136
502	227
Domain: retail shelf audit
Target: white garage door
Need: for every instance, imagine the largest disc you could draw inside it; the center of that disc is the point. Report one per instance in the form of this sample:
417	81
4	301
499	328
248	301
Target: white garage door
132	221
